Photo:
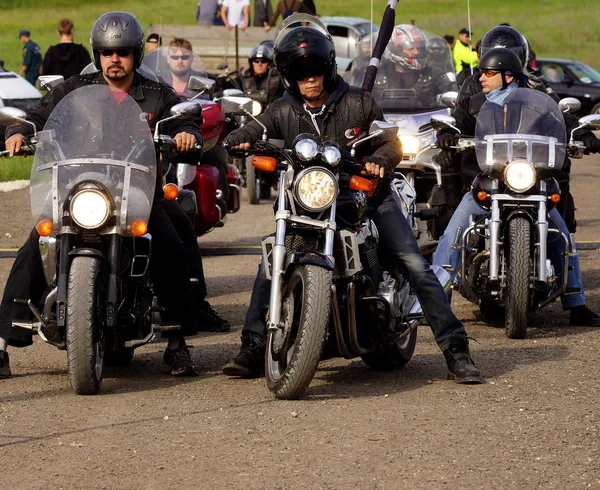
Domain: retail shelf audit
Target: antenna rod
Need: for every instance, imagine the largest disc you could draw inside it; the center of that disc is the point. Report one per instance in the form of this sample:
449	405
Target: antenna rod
470	40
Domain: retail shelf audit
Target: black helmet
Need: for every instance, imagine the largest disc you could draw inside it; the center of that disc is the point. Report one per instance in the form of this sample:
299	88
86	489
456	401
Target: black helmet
117	30
261	52
305	51
437	46
506	37
503	60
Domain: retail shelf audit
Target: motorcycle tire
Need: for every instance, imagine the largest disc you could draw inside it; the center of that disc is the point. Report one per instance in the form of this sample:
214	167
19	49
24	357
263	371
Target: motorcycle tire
265	190
85	345
393	356
306	298
252	183
517	283
117	358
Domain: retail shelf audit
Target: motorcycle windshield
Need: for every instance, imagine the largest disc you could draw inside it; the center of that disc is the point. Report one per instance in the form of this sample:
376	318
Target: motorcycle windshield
98	136
412	76
527	126
169	60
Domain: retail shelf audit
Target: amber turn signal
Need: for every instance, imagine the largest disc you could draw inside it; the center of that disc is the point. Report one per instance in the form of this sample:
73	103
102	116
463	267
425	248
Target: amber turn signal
139	228
482	195
555	198
267	164
360	184
171	191
44	227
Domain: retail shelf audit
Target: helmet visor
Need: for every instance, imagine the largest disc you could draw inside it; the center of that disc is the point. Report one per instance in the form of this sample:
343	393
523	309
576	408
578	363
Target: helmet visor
308	66
296	20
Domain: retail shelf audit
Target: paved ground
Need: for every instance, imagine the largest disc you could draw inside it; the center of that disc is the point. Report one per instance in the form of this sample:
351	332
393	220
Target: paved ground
534	424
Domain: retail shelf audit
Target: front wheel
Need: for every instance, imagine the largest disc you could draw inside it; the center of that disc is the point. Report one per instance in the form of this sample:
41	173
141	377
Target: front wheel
294	351
252	182
517	281
393	356
85	344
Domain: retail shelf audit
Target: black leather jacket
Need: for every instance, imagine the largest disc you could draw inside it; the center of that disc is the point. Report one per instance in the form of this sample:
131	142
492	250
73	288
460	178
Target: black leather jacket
348	113
265	89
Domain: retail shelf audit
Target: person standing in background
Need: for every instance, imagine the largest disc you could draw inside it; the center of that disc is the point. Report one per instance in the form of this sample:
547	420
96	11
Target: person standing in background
463	51
206	12
66	58
32	58
235	13
285	8
310	4
450	40
263	11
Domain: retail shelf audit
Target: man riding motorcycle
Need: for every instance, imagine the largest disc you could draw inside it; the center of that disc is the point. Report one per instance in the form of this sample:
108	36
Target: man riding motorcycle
318	101
261	76
117	41
501	74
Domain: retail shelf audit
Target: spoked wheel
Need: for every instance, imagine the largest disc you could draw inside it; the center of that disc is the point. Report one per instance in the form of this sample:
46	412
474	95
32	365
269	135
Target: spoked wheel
517	282
252	182
85	343
294	351
395	355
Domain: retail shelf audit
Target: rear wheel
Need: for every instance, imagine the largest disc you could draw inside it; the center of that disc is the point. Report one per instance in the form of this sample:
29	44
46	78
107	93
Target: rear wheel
294	351
595	109
121	357
393	356
252	182
518	277
85	344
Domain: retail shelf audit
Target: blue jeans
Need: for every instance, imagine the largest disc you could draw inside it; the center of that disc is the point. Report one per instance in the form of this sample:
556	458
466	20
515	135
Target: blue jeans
444	255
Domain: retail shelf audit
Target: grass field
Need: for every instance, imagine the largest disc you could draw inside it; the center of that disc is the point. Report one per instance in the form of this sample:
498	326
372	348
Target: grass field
17	168
554	28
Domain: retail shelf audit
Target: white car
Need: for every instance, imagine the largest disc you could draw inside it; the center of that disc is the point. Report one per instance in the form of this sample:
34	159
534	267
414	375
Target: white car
346	33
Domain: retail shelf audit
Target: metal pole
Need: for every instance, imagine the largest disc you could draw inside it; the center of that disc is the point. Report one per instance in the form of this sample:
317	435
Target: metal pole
237	49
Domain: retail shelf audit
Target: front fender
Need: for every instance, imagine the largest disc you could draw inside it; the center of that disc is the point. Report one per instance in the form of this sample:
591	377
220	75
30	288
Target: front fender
313	258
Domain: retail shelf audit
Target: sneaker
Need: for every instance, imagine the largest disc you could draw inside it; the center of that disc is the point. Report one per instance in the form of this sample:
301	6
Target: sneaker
461	366
250	362
5	371
582	316
179	361
208	320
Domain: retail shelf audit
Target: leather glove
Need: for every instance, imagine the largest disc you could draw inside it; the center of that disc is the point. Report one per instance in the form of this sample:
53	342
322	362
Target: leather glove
591	143
381	161
445	158
445	140
236	138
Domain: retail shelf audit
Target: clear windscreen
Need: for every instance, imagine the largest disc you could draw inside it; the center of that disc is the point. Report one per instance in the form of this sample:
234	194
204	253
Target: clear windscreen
413	73
99	136
528	126
296	20
169	60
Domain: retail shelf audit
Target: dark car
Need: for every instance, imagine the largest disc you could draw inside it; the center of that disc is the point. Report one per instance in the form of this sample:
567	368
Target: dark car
573	79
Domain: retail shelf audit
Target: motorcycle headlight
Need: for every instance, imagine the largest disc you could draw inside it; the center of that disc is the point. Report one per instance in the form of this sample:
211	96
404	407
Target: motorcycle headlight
519	175
306	149
332	155
316	189
256	108
410	144
90	209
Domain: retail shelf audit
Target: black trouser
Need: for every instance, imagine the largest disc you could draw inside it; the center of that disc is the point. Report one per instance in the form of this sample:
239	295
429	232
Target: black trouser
397	242
217	157
174	257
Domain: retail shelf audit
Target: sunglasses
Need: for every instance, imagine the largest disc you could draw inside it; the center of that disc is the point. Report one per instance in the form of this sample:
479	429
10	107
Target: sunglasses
183	57
261	62
489	73
121	53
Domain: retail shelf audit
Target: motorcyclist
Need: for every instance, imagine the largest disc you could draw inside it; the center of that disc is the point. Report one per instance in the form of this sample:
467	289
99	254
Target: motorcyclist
117	41
501	74
439	55
261	80
318	101
405	66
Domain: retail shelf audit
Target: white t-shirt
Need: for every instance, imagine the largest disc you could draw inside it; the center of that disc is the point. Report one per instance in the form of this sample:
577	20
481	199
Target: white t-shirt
235	11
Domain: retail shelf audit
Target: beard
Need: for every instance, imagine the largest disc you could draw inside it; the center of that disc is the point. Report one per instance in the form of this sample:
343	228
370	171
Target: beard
180	72
112	75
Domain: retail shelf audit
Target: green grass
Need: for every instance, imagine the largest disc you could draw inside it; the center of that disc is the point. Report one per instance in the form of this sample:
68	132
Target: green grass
554	28
17	168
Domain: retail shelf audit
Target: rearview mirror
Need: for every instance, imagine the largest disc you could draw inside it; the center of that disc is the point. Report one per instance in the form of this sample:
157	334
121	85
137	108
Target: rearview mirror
385	130
200	84
236	105
591	121
441	121
12	115
187	110
48	82
232	92
449	99
569	104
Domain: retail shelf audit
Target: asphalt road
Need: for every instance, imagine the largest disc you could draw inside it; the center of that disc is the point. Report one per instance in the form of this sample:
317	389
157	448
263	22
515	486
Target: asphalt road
534	424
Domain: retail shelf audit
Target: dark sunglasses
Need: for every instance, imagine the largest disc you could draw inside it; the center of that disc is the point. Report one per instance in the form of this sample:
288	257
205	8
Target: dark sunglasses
121	53
183	57
489	73
262	62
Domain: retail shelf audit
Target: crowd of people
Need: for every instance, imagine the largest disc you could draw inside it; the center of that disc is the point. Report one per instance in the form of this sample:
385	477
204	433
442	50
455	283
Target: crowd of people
305	92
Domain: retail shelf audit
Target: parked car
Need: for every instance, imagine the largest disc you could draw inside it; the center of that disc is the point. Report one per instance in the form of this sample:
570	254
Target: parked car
15	91
346	33
573	79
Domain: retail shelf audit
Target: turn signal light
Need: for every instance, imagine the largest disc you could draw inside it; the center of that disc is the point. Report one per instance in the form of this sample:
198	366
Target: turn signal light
139	228
360	184
266	164
44	227
171	191
555	198
482	195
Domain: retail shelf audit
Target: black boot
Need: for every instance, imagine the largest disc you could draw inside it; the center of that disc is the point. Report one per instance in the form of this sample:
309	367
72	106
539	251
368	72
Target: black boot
582	316
250	362
5	371
461	366
208	320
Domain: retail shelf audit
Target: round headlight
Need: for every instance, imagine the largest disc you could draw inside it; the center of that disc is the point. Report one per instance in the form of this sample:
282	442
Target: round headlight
316	189
332	155
410	144
89	209
256	108
306	149
520	175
